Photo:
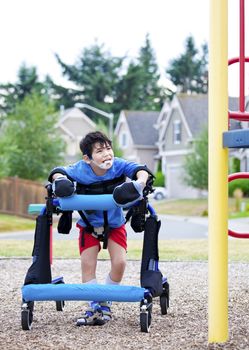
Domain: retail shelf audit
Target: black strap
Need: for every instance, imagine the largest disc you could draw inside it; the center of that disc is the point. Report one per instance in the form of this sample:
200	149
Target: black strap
140	208
100	187
84	218
128	215
89	228
106	229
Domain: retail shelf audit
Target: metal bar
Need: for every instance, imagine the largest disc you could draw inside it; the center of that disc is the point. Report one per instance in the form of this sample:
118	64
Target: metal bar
242	116
236	138
231	177
242	57
218	172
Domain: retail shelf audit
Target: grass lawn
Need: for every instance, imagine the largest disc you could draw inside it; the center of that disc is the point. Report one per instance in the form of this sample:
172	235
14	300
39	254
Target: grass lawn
15	223
195	207
169	250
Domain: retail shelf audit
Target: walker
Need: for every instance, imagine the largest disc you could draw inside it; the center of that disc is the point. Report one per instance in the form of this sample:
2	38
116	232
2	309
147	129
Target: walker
39	285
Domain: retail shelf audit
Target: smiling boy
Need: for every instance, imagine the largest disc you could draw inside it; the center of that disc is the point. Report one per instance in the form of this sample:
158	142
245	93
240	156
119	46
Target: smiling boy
99	173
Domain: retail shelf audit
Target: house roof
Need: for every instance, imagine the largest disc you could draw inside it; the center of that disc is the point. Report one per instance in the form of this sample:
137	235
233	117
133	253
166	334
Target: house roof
141	125
73	114
195	109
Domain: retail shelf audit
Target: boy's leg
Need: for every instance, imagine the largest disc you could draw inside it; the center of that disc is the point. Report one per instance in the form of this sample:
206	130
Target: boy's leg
118	263
88	253
88	259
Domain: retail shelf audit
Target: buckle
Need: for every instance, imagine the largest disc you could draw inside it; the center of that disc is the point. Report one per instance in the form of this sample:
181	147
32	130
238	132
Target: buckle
98	232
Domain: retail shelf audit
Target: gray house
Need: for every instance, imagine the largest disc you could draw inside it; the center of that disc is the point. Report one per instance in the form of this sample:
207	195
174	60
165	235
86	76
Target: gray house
243	153
179	124
73	124
137	137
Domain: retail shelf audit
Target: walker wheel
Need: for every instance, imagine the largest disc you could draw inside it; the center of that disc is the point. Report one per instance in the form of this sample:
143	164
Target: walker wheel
145	321
27	315
164	304
60	305
27	318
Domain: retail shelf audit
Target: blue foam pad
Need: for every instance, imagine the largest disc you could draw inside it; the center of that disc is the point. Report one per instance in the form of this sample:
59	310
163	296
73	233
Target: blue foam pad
35	208
97	292
87	202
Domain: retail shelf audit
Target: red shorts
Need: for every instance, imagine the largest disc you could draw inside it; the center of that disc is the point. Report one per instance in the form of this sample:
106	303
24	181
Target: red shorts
118	235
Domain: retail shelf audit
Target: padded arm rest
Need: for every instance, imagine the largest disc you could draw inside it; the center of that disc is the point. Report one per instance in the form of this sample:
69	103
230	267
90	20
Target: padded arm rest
87	202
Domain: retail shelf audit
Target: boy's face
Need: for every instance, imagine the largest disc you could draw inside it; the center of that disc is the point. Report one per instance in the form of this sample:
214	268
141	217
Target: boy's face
102	158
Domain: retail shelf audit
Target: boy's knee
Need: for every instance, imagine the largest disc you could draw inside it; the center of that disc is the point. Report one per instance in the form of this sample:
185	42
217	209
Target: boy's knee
119	263
88	263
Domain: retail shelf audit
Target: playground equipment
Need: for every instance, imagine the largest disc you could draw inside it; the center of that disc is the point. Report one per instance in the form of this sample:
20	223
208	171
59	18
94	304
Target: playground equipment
219	117
39	285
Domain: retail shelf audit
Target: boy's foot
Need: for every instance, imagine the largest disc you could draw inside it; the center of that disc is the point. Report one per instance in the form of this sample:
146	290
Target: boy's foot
106	310
93	316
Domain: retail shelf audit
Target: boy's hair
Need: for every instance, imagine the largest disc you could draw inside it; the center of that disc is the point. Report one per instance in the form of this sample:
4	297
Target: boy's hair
87	143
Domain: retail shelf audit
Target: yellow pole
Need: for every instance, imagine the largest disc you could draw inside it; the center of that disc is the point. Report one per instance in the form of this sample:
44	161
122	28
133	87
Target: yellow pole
218	173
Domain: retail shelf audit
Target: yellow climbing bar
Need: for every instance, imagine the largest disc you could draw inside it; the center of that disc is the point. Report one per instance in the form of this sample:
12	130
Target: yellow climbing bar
218	173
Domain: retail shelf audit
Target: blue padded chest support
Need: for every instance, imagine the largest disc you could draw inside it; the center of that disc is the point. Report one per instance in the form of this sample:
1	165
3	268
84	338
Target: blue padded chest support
87	202
97	292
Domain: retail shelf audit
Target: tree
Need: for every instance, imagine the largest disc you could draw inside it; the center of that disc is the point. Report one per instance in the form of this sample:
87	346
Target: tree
196	163
149	91
30	146
139	89
189	71
95	74
60	95
99	77
13	93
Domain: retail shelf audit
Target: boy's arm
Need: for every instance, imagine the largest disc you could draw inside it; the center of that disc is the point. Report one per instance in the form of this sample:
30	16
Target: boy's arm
61	185
142	177
130	192
56	175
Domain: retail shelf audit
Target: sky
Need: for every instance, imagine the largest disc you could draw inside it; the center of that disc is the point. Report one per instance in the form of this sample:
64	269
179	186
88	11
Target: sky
32	31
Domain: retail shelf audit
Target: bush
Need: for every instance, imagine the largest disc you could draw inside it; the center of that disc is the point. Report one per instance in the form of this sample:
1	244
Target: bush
242	184
159	180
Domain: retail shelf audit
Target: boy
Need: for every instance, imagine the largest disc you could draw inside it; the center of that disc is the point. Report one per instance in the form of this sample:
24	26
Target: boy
100	172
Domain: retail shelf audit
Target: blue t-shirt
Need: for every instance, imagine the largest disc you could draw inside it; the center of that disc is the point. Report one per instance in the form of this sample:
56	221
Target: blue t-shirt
82	172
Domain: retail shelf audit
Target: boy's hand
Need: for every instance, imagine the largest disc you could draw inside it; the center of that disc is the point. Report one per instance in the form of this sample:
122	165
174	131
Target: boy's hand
62	186
128	193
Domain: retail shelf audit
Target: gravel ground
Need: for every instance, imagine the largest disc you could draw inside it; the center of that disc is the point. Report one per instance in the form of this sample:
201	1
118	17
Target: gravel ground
185	326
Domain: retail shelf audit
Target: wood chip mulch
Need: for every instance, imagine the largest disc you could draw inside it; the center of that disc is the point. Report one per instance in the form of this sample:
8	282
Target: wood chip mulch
184	327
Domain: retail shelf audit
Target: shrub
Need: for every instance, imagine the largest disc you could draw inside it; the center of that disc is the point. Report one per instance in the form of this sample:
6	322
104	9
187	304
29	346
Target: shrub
242	184
159	180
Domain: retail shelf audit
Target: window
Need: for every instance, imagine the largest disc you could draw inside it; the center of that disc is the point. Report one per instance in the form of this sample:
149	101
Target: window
123	140
177	135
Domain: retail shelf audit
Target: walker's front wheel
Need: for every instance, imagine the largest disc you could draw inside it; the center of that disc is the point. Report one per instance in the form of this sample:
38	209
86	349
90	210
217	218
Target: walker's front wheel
60	305
27	315
145	315
145	321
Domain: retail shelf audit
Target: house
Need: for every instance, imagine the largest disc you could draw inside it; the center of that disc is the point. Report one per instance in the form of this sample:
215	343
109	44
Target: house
73	124
137	137
242	154
179	124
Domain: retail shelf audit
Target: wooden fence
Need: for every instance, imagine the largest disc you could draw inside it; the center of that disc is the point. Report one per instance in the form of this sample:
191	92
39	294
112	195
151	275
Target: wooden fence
16	194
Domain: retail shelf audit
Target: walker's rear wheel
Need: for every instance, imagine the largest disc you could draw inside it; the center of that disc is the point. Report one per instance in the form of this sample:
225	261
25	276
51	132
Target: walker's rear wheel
164	298
163	304
60	305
